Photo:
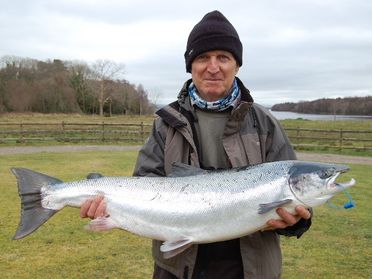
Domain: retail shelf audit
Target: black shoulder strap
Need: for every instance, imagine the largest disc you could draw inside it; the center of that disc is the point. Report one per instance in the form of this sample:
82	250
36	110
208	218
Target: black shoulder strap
174	122
169	118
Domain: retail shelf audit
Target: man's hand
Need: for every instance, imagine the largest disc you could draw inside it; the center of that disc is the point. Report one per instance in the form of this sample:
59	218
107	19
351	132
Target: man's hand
93	208
288	218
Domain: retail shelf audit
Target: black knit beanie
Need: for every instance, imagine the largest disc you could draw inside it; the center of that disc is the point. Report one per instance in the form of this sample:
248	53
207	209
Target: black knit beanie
213	32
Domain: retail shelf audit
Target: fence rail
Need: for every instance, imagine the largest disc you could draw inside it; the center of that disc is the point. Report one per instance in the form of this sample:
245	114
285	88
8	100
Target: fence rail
138	132
73	132
330	139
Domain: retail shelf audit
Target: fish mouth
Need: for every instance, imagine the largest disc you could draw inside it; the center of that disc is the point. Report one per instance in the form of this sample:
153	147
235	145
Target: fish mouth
346	184
337	187
332	184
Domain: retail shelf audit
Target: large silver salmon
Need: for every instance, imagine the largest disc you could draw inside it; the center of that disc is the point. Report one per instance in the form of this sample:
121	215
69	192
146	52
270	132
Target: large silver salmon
191	206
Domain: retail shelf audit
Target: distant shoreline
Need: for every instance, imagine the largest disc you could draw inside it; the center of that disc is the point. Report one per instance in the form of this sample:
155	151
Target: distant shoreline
347	106
282	115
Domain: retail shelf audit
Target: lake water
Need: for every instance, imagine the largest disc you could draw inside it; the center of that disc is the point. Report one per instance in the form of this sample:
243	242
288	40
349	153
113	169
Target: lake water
281	115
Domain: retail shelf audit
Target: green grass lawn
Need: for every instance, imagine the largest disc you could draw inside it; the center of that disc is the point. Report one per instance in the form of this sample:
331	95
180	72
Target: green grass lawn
62	248
339	244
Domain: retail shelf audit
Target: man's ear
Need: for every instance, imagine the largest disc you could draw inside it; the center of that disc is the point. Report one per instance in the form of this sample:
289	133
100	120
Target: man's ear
237	69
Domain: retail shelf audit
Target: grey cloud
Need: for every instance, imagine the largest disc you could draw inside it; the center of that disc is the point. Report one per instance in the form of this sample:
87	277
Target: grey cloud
293	49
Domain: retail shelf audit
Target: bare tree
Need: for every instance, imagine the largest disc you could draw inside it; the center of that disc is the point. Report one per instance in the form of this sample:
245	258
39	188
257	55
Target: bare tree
78	79
66	86
104	71
154	95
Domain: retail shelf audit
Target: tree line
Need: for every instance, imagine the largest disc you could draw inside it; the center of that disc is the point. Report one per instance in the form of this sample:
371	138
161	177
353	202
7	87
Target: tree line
340	106
56	86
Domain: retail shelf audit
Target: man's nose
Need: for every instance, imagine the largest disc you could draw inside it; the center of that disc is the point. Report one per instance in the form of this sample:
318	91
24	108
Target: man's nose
213	65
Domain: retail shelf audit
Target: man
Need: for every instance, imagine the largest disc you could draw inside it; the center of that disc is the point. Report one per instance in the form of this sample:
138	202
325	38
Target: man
214	124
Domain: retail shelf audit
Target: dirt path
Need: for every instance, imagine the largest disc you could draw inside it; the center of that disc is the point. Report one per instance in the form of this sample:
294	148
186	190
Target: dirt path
331	158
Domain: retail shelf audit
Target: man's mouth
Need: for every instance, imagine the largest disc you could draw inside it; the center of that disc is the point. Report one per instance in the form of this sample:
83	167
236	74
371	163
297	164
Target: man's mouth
213	80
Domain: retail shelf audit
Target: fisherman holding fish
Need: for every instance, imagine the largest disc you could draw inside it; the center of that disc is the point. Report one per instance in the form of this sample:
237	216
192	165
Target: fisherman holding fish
214	124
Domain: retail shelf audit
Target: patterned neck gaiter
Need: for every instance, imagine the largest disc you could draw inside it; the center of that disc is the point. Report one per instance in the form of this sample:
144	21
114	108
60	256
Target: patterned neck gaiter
230	100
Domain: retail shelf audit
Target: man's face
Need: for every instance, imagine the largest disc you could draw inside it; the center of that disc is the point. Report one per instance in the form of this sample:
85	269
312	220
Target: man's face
213	74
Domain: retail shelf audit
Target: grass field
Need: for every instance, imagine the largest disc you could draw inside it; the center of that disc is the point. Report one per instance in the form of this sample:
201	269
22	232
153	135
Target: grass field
62	248
339	244
329	124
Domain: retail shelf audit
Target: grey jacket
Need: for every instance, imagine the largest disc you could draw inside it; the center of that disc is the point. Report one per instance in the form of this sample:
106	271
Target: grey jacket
252	135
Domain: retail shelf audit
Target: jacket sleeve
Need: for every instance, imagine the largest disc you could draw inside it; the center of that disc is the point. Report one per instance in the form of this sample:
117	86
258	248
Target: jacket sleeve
279	149
279	146
150	160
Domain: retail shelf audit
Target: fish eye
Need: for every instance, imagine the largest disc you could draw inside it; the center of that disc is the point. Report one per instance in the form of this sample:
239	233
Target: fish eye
326	173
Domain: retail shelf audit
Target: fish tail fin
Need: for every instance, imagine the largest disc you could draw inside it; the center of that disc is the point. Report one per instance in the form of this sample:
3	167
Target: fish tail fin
33	215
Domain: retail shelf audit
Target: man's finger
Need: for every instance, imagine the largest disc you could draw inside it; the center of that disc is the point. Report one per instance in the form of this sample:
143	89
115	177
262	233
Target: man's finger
101	209
303	212
276	224
94	205
287	217
84	208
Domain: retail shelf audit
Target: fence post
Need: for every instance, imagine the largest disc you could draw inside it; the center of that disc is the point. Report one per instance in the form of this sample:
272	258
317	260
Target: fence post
298	136
63	131
103	131
21	133
142	132
341	138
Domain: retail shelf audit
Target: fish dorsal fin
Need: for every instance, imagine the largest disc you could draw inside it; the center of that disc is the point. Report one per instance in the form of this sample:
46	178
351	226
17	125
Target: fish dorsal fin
172	248
94	175
181	170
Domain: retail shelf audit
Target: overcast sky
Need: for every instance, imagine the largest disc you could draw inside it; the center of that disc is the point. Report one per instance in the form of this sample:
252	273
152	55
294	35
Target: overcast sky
292	49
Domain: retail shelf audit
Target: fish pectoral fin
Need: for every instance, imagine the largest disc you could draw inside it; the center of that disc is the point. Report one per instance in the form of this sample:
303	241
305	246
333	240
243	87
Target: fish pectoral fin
172	248
101	224
266	207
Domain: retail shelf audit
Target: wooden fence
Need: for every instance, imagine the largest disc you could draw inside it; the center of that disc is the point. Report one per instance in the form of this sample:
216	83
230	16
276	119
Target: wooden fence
73	132
338	139
138	132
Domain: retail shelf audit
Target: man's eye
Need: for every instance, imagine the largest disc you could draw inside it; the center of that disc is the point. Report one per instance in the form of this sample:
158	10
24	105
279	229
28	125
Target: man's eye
223	58
201	57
